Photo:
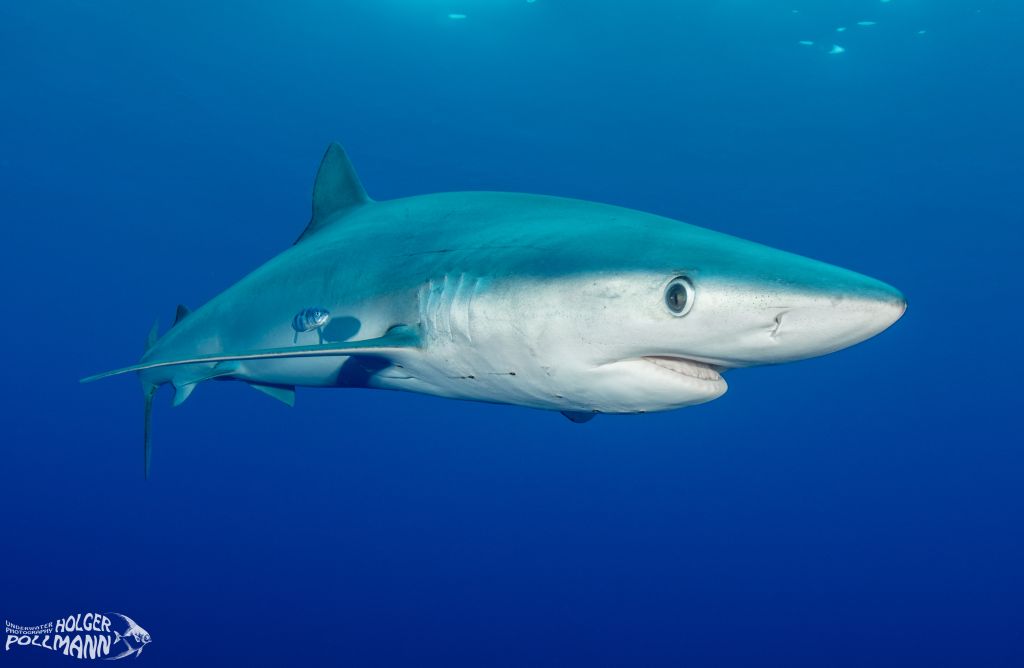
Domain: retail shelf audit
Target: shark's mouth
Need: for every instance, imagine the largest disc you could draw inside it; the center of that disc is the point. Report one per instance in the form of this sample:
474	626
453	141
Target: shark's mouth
685	367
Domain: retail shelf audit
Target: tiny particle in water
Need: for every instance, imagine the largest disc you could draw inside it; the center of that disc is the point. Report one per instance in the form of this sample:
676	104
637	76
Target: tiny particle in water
456	17
806	42
883	0
841	29
866	23
836	49
921	32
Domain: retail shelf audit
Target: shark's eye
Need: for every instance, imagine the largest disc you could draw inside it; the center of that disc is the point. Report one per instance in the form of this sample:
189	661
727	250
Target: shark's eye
679	296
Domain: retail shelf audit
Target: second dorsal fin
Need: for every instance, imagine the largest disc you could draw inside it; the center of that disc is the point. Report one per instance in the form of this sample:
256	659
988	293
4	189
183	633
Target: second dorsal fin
336	190
180	314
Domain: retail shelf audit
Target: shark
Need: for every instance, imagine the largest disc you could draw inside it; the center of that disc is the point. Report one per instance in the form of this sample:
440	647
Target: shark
545	302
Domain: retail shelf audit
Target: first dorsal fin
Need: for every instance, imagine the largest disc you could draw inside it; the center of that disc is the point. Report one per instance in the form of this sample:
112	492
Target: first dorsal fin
336	190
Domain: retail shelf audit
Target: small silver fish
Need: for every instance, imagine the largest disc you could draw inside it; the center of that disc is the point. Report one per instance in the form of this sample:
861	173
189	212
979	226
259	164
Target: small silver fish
135	633
310	319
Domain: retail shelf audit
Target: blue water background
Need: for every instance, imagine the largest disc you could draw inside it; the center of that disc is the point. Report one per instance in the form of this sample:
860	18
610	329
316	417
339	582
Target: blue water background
860	509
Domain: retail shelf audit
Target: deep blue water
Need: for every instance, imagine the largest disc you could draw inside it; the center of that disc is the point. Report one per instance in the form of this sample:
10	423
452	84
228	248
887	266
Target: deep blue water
863	508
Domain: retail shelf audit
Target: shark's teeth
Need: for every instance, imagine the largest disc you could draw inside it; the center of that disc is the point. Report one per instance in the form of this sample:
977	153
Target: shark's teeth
685	367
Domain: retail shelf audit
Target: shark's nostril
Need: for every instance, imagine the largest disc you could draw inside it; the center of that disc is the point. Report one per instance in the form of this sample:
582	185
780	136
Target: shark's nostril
778	324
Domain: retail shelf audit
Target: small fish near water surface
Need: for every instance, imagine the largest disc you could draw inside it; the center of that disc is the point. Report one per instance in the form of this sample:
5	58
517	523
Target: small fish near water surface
545	302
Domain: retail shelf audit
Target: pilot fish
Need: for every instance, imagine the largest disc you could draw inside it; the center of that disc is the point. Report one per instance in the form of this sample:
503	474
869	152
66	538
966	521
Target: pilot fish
309	319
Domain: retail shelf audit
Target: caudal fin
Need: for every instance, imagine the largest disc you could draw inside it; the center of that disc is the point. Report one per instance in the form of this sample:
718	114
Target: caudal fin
149	391
154	334
400	338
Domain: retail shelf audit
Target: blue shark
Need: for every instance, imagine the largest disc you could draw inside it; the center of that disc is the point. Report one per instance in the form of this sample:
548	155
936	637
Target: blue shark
544	302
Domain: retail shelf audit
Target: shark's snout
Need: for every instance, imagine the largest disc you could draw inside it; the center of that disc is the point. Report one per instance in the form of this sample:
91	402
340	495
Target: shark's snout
821	324
786	308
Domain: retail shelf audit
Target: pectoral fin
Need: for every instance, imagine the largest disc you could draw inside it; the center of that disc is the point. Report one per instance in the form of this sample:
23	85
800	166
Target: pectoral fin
396	339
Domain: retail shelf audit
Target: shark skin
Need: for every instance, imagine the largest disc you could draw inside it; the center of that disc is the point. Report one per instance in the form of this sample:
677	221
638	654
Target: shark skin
530	300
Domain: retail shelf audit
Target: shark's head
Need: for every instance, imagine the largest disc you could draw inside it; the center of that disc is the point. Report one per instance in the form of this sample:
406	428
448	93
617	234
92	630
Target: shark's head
656	330
675	331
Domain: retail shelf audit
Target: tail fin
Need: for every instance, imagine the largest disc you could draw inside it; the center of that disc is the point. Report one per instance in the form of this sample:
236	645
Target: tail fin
397	339
149	391
154	334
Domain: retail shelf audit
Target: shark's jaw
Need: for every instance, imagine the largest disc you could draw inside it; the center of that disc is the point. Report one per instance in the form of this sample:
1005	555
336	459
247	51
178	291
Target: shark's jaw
655	383
685	367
